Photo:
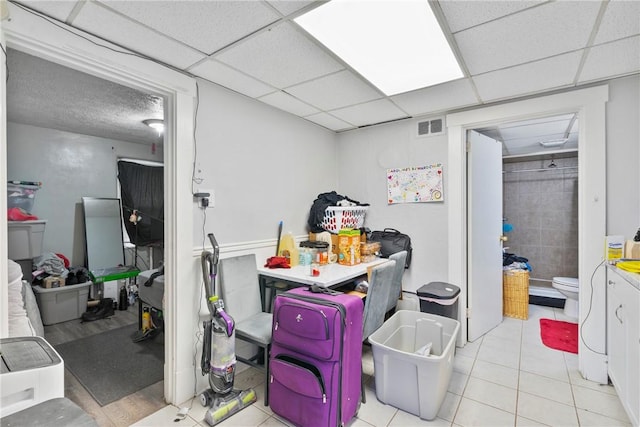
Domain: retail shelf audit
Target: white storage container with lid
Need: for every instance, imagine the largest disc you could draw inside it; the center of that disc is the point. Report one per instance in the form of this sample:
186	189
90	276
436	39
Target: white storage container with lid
25	239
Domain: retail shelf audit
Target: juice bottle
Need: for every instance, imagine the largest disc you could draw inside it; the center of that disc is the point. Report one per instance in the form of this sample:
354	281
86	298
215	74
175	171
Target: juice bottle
288	249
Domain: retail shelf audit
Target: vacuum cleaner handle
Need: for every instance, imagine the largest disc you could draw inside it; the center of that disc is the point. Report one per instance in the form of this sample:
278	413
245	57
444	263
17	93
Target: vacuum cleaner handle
205	360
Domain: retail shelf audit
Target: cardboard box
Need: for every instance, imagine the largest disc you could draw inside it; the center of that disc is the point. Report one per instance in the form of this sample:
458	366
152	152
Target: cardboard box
53	282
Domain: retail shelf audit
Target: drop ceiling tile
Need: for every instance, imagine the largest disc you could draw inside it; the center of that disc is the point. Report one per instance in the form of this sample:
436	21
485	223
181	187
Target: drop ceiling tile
281	57
335	90
205	25
330	122
223	75
368	113
549	128
529	78
532	145
465	14
530	35
621	19
104	23
288	103
442	97
287	7
612	59
565	118
56	9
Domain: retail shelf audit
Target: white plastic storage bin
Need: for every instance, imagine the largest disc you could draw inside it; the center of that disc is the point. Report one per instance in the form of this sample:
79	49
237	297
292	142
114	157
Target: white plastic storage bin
25	239
410	381
21	195
62	304
32	373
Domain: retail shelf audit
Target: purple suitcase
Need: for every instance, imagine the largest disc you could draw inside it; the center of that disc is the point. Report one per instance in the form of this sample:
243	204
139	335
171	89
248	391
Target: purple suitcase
316	357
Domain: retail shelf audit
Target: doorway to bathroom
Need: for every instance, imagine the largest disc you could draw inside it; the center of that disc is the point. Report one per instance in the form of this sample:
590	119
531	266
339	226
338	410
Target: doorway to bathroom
540	199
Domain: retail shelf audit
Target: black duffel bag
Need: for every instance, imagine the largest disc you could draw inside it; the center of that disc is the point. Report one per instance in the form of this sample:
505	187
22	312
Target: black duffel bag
392	241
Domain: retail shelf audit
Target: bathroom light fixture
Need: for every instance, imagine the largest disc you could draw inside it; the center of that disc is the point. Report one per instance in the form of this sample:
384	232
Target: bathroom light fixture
554	142
156	124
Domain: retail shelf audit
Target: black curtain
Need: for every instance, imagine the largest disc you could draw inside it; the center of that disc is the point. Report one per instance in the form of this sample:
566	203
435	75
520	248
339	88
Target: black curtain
142	190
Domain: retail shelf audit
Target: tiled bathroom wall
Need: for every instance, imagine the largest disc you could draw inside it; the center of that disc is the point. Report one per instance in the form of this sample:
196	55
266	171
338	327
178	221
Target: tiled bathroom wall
542	206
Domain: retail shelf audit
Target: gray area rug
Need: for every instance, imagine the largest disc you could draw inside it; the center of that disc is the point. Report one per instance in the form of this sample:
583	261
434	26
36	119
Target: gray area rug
110	366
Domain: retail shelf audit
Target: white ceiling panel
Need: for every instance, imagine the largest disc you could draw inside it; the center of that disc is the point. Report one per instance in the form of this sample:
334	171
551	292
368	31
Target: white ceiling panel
111	26
532	145
59	10
543	120
532	34
612	59
205	25
328	121
370	112
288	103
546	130
465	14
335	90
621	19
287	7
221	74
534	77
264	57
445	96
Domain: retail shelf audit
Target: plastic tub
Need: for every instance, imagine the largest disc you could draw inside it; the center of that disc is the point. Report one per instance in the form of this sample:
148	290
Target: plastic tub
405	379
63	303
21	195
25	239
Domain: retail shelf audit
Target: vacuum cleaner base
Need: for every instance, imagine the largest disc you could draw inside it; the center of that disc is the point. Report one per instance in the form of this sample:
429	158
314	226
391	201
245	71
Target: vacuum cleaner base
222	407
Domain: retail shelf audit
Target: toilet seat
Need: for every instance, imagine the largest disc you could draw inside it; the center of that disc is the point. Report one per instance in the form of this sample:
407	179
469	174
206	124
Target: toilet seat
570	282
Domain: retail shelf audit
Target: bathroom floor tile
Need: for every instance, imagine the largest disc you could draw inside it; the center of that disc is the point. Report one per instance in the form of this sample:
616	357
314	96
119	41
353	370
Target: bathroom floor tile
491	394
548	388
473	413
546	411
498	374
600	403
592	419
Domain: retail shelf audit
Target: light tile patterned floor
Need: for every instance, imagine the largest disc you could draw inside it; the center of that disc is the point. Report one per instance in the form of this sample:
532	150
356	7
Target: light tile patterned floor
506	378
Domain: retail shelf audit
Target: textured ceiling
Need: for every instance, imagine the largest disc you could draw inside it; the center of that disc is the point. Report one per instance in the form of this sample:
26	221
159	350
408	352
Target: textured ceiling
507	50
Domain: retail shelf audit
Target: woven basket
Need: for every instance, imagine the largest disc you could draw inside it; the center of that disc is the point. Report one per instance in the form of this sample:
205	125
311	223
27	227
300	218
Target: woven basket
515	294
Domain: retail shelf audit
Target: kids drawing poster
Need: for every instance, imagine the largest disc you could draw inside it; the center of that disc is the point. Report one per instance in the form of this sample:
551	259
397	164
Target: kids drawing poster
415	184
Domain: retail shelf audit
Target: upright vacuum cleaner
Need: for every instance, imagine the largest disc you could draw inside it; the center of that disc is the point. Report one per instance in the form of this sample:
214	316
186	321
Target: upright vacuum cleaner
218	352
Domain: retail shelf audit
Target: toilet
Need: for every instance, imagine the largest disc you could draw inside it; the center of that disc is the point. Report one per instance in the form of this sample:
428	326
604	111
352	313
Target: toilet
569	287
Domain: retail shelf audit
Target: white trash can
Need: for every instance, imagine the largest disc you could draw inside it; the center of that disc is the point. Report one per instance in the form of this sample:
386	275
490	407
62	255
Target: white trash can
405	377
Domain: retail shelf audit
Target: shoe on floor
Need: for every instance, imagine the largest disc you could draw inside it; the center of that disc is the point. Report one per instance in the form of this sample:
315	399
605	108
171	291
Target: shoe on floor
103	310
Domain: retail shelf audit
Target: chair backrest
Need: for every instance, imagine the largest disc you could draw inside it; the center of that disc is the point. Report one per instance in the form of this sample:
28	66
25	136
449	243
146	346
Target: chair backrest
238	286
375	304
396	284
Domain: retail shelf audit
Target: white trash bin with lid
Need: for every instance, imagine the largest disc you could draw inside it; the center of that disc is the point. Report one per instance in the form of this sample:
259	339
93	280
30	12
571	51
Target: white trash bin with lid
405	377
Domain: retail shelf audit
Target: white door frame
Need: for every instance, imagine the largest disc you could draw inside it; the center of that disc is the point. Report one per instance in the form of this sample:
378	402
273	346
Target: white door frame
590	105
31	34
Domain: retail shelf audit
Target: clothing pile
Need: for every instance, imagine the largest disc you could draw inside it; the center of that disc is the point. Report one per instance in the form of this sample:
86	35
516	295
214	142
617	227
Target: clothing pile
514	262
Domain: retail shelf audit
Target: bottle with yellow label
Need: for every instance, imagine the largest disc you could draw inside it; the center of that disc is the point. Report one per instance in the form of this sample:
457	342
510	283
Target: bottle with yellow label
289	250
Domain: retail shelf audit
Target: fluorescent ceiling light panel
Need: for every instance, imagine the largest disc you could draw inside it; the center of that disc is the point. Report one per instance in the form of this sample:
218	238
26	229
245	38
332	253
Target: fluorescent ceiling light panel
397	45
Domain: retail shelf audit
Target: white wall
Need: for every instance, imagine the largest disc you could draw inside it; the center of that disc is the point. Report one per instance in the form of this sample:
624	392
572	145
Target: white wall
69	166
623	157
364	157
263	165
372	150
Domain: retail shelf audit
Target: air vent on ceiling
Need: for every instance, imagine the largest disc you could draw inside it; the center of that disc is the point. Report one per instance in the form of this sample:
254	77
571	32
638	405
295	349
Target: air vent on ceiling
431	127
